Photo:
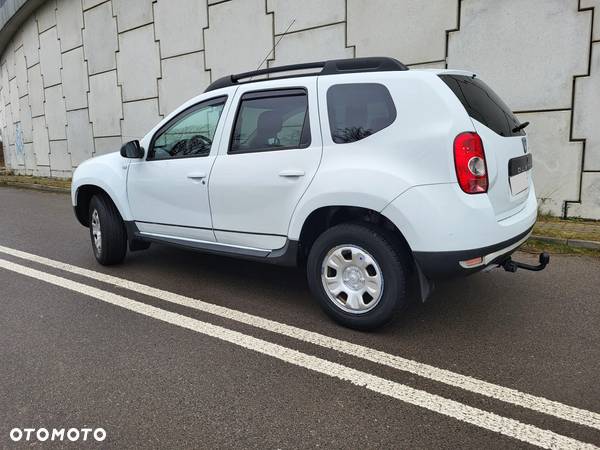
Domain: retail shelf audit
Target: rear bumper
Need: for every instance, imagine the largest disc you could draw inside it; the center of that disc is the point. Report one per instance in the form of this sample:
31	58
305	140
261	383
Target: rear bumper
440	265
444	227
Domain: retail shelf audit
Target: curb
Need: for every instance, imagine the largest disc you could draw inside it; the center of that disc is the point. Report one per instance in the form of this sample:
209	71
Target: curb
35	187
575	243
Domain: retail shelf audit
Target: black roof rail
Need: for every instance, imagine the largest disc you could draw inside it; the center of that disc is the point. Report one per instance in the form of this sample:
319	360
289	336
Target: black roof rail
331	67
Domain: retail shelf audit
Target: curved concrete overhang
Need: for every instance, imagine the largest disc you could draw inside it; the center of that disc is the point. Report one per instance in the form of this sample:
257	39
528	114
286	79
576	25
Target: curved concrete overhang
12	15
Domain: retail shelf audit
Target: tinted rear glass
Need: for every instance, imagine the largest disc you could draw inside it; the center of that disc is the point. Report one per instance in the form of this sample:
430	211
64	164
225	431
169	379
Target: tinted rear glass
358	110
271	120
482	104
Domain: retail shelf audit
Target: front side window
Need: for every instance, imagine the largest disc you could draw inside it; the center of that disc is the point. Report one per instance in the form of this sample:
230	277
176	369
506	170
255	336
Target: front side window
271	120
358	110
189	134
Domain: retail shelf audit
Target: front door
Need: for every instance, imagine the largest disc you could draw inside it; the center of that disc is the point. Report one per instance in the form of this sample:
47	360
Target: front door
266	164
168	191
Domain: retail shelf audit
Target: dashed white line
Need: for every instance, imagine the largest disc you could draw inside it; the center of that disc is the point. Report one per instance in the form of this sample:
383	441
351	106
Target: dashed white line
483	419
505	394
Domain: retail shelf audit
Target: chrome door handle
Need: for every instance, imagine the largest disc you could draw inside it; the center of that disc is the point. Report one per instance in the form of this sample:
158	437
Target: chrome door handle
196	175
291	173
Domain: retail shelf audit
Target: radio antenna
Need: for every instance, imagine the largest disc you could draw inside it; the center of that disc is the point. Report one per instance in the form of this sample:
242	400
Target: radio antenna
276	43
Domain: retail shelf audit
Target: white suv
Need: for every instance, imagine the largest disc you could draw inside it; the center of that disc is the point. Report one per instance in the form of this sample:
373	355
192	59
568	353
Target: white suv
362	171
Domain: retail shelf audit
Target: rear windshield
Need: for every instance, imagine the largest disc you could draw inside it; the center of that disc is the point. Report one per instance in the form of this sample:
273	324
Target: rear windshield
483	105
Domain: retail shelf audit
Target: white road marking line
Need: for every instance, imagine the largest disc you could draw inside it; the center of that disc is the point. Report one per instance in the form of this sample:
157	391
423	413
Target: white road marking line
465	382
483	419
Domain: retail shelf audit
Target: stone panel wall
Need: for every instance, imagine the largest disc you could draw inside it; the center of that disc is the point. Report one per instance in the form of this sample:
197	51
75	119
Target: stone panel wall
79	77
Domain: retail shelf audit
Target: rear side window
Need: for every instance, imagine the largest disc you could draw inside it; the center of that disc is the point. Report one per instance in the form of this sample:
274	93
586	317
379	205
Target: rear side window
483	104
271	120
358	110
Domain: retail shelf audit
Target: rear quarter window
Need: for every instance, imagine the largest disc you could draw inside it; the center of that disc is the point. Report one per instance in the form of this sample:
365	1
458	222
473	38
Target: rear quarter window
358	110
483	104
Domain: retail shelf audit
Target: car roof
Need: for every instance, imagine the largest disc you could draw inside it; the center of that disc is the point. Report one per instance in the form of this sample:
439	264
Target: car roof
226	86
330	67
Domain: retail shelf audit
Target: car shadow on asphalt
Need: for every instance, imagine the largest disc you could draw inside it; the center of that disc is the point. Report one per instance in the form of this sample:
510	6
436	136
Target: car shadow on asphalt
287	287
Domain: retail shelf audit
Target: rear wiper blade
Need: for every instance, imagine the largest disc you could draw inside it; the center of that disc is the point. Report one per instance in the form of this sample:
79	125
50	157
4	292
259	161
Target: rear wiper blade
520	127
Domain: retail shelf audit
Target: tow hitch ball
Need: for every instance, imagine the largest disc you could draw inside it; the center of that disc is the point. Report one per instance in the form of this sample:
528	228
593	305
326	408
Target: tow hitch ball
512	266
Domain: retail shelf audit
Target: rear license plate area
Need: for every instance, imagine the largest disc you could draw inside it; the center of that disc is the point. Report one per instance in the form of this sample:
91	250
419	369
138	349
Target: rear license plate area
518	175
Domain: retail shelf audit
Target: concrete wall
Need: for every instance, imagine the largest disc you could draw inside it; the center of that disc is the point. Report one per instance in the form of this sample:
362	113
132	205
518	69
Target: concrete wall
79	77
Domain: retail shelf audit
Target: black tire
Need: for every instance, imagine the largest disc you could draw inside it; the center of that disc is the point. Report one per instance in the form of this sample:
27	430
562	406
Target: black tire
388	255
113	235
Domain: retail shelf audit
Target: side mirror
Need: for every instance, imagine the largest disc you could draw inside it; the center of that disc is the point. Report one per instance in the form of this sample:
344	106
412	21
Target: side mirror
132	149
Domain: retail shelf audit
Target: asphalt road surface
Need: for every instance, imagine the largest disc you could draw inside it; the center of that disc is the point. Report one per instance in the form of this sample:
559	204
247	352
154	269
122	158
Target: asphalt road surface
177	349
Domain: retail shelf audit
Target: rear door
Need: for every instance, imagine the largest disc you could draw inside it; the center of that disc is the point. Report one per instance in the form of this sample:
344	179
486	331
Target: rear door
266	162
509	163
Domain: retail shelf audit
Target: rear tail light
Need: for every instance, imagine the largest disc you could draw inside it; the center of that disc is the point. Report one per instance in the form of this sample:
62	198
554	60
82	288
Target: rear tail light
469	161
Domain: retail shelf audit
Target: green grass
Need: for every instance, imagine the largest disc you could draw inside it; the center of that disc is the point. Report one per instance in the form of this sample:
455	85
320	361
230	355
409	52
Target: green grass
588	230
545	217
531	246
566	234
15	180
536	246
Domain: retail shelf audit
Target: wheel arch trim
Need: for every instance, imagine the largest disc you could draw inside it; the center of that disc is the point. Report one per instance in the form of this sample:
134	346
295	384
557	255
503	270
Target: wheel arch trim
96	186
